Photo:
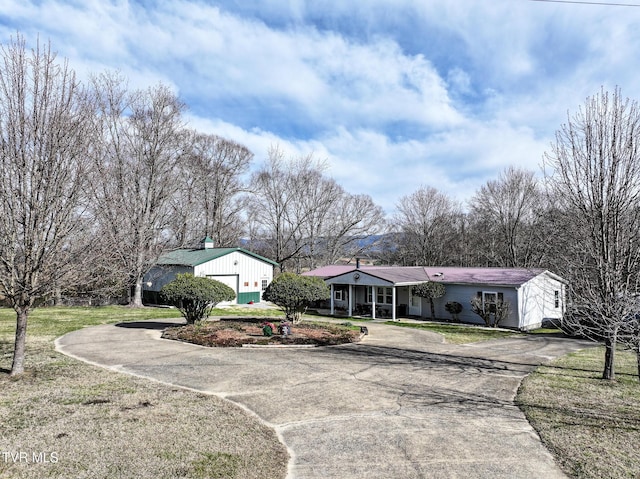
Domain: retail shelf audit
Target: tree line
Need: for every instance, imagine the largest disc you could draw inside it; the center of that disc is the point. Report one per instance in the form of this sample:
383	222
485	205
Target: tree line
98	179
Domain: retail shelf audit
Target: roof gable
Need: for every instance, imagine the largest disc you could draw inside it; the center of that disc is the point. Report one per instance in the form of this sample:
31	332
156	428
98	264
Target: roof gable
195	257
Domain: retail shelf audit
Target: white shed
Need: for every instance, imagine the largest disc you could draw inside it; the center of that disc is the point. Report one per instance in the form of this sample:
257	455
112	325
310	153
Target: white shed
247	273
535	295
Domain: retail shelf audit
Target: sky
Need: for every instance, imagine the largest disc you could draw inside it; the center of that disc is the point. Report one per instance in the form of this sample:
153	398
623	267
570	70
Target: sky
393	95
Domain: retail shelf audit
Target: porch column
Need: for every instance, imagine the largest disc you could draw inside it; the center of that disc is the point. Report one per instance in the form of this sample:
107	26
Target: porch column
350	300
393	303
332	305
373	301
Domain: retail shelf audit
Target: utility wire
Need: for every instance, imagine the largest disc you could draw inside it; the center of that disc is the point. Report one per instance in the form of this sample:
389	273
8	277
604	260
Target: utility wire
608	4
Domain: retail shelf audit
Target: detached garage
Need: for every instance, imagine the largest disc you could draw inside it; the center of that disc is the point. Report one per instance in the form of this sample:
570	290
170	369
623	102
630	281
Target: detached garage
247	273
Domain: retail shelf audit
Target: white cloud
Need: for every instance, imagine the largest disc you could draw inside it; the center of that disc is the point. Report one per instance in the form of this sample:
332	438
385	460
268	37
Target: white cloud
443	93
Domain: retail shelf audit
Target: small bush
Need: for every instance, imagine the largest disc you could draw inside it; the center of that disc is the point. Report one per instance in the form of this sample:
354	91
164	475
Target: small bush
293	293
454	309
195	297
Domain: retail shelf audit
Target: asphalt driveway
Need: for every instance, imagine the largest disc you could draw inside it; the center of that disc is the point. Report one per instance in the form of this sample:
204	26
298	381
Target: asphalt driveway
400	404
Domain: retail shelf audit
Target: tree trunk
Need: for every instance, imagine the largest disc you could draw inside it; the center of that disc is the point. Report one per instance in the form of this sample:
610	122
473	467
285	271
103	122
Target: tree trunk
433	309
638	359
609	357
21	338
136	301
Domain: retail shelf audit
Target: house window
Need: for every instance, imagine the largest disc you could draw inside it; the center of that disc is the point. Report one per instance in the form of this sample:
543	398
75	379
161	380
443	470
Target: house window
264	284
337	295
369	294
556	301
384	296
490	299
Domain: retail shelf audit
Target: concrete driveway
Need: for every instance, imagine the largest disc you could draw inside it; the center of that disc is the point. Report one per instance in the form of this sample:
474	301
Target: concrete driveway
400	404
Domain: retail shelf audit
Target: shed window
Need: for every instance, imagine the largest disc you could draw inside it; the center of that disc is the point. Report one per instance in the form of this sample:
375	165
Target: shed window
264	284
556	301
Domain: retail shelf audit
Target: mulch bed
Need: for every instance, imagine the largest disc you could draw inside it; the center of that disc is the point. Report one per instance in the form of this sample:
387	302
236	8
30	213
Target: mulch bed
237	332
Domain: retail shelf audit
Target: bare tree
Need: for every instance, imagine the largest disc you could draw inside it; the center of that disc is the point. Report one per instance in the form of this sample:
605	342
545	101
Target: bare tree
316	210
426	219
302	215
142	138
209	203
44	139
429	290
505	215
492	313
279	189
593	175
351	227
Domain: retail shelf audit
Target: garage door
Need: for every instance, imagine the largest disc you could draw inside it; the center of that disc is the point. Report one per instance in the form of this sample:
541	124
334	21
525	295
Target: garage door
230	280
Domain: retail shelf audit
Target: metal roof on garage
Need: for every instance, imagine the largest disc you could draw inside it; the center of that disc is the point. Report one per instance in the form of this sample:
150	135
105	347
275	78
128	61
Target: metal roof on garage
195	257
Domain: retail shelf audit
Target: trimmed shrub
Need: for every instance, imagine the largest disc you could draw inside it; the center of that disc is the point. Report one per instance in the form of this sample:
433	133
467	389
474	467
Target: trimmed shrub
292	293
195	297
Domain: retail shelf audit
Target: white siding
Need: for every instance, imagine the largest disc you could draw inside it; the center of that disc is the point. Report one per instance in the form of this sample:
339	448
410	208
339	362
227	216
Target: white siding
242	272
250	272
537	301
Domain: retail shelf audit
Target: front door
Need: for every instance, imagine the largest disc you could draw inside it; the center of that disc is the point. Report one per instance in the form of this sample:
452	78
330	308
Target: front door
415	304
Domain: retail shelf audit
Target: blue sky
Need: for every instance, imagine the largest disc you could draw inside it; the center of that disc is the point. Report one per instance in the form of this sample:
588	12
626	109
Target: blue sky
395	95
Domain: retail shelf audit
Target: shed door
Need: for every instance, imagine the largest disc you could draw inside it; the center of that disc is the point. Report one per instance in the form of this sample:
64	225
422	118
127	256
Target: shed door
230	280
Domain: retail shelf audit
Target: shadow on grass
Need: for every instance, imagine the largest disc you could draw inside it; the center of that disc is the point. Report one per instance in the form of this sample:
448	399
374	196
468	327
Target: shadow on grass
605	418
150	325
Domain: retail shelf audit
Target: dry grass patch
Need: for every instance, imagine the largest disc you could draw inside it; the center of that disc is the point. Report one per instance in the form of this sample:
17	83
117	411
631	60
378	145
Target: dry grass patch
591	425
88	422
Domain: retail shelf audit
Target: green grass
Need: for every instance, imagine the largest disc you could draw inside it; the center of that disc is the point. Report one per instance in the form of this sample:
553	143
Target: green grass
458	334
103	424
592	426
57	321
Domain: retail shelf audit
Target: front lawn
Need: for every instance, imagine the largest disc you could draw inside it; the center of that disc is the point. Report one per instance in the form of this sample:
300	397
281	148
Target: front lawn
592	426
64	418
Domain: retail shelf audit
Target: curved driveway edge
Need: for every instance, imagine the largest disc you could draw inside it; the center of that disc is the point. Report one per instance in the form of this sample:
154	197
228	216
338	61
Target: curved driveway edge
399	404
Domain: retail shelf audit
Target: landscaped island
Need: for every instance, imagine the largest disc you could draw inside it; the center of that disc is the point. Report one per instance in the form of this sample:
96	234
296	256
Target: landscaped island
237	332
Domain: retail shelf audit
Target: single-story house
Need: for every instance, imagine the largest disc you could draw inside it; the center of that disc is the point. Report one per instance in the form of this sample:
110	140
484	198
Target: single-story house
534	295
247	273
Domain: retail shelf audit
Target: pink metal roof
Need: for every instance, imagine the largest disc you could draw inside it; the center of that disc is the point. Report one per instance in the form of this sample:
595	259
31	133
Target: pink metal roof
451	275
330	271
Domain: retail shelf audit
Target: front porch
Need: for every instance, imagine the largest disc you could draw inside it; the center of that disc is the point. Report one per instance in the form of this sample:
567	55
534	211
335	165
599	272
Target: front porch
376	302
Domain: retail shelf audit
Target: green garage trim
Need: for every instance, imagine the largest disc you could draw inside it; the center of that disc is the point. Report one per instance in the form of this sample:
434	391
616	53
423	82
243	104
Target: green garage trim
245	298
